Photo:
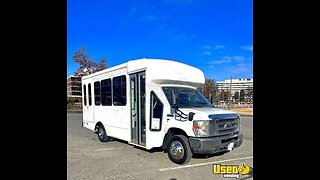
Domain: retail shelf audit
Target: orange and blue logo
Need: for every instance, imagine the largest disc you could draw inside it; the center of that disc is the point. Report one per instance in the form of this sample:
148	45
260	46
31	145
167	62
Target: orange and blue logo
231	171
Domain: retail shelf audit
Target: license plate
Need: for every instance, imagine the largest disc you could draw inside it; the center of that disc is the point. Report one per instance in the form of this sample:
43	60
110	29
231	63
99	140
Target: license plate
230	146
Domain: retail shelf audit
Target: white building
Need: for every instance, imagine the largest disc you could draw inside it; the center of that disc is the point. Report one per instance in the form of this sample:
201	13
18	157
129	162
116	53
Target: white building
235	85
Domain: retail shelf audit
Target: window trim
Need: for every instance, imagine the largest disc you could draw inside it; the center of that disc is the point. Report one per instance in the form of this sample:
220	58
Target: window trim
151	110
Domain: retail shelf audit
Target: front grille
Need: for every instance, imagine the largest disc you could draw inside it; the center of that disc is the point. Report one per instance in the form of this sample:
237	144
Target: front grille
223	124
226	126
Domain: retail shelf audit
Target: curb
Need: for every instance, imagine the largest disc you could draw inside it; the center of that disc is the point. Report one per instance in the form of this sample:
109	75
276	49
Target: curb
74	111
248	115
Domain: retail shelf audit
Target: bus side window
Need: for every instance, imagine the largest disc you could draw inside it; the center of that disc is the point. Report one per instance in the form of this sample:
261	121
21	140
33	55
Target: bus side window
97	93
106	98
156	111
84	95
89	94
119	91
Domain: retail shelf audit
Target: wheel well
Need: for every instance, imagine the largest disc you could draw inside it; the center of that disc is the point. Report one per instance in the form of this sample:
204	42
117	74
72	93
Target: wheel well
97	126
171	132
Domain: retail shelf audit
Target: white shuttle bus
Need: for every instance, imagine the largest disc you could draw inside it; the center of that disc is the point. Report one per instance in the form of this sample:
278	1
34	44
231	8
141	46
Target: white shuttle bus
155	103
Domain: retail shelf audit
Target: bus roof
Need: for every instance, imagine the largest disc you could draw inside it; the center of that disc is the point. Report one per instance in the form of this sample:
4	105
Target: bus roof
160	71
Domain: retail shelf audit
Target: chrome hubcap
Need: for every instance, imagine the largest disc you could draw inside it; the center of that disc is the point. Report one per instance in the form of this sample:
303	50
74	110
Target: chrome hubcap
100	132
176	149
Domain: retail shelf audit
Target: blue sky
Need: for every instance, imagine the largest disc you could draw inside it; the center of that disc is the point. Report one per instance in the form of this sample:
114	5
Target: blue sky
215	36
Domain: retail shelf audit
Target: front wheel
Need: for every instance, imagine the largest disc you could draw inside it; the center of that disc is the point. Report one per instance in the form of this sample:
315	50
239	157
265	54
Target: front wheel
179	150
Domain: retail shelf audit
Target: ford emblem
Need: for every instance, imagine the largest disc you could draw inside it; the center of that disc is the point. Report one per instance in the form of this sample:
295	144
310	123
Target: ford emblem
227	125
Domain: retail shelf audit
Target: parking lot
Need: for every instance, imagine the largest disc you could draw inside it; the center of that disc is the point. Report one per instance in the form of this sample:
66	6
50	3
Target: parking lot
88	158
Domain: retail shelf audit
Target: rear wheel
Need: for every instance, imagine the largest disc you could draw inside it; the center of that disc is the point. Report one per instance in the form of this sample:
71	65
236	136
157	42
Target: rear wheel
179	150
102	134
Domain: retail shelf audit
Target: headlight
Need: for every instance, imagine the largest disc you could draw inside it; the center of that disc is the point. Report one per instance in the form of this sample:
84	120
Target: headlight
201	128
238	124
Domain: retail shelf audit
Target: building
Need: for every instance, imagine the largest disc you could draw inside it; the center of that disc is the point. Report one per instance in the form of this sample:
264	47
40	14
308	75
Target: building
74	86
236	85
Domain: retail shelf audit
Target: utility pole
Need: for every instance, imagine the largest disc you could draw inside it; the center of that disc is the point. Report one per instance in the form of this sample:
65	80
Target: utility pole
230	88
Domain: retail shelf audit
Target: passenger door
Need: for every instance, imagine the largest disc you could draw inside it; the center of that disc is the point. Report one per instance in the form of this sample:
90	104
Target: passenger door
137	108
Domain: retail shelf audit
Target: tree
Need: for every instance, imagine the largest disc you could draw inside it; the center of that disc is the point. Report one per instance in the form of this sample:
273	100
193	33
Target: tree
102	64
236	96
249	92
210	88
87	66
225	95
221	95
242	95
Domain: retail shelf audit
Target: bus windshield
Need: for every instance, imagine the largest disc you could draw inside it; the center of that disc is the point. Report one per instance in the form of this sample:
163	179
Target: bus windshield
186	97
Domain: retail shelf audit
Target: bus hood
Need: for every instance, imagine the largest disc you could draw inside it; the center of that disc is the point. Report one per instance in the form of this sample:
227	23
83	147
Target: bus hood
203	113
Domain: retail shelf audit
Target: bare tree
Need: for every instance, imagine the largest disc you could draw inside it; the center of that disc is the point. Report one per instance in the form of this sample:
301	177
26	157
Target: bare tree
242	95
236	96
227	96
87	65
249	93
221	95
102	64
210	88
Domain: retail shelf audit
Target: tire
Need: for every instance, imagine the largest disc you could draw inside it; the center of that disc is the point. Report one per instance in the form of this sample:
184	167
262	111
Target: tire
102	134
179	150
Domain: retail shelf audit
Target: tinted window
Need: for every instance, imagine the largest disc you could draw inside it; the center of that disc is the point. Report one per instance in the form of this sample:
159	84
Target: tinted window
97	93
106	92
185	97
89	94
119	91
84	95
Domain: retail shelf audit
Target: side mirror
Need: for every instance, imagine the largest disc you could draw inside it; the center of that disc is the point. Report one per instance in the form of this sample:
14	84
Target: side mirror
191	114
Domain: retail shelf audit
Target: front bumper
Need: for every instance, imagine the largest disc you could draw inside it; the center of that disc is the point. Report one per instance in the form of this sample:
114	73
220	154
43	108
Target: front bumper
211	145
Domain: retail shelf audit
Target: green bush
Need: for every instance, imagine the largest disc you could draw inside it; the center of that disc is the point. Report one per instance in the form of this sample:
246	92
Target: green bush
74	100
